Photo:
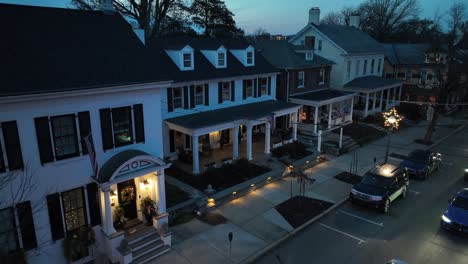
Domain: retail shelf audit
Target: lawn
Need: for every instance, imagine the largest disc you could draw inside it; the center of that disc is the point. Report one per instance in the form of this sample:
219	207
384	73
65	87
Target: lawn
175	195
220	178
362	134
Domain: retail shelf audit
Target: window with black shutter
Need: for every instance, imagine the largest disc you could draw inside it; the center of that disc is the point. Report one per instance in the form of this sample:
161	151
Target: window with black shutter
12	145
186	97
139	123
207	95
65	136
233	90
55	216
26	223
84	121
93	204
220	92
106	128
43	139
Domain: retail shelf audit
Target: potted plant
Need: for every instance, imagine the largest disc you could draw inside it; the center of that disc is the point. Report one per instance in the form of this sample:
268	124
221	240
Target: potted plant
149	209
120	220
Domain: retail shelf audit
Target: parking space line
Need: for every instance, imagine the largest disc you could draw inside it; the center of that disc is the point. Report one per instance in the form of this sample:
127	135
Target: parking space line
362	218
344	233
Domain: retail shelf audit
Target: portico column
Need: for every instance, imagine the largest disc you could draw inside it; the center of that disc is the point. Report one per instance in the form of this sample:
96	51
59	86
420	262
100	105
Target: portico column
315	119
330	108
249	142
399	93
373	101
294	125
108	209
367	105
267	137
394	95
352	108
196	161
381	99
235	143
159	178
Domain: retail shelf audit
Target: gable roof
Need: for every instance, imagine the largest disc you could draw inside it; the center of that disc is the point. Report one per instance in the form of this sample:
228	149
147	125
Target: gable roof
350	39
409	54
56	50
282	54
203	68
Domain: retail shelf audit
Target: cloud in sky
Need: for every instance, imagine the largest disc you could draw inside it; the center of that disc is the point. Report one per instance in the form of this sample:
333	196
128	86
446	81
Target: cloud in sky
277	16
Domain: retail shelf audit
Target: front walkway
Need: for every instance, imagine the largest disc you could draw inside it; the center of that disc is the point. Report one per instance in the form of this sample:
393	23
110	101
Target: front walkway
252	218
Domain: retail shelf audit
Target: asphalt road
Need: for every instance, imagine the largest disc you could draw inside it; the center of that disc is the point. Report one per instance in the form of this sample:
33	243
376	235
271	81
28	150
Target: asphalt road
409	232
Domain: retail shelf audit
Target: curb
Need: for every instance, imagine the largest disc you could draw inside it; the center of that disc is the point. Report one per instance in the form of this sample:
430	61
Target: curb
263	251
447	136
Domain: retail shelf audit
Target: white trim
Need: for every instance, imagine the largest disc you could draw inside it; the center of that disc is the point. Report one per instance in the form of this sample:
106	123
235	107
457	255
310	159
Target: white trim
320	32
225	79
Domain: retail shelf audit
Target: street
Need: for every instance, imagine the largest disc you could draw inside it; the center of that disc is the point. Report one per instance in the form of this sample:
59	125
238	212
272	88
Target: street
409	232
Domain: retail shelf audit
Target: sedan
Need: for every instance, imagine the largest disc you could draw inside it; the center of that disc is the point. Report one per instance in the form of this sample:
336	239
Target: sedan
421	163
455	218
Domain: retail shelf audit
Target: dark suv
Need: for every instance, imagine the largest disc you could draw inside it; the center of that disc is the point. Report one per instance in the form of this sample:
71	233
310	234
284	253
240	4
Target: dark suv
381	186
421	163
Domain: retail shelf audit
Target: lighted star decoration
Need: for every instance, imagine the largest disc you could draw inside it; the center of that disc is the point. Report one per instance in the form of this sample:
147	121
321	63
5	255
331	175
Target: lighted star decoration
392	119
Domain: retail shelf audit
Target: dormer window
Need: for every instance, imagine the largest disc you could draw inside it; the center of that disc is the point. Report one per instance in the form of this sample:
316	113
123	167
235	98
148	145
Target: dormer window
308	55
249	58
221	59
187	60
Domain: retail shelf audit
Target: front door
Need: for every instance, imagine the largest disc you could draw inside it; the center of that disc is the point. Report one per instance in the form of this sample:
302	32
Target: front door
127	198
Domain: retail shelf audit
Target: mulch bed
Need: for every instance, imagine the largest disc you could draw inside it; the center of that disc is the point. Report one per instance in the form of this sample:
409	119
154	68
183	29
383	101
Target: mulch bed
348	178
301	209
294	151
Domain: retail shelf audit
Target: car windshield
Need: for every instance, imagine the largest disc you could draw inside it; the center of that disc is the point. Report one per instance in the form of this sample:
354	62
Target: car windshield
377	180
461	202
418	156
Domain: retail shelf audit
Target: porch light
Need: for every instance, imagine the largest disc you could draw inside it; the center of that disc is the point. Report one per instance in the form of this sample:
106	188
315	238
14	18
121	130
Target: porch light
269	178
211	202
112	193
252	185
145	182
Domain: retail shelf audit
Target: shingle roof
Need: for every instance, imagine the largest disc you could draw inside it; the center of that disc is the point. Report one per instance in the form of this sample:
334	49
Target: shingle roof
203	68
371	82
351	39
282	55
408	54
54	49
321	95
250	111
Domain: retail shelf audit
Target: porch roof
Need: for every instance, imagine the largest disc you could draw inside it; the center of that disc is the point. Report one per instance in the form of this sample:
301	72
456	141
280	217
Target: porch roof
322	95
252	111
370	83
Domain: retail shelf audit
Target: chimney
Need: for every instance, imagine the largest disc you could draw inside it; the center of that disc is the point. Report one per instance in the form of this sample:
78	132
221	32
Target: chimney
314	15
106	5
355	21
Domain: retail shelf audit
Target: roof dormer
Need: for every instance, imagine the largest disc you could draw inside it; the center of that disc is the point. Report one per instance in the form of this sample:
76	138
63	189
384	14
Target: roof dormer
217	57
245	56
183	58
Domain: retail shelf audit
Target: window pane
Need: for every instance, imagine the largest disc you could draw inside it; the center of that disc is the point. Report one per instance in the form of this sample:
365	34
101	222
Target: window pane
65	136
8	239
177	95
249	88
226	91
263	83
122	124
249	57
221	59
73	209
187	60
199	95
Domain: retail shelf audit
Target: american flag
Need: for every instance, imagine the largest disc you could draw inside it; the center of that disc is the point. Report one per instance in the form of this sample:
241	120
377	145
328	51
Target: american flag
92	154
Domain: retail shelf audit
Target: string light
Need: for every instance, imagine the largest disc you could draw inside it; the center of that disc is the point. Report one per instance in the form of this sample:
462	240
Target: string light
392	119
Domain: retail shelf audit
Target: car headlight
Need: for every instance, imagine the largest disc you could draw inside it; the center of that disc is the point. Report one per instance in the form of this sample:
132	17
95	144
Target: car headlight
446	219
466	170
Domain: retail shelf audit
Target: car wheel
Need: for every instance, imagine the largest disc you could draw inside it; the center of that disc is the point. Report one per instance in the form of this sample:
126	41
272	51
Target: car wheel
404	192
386	206
426	175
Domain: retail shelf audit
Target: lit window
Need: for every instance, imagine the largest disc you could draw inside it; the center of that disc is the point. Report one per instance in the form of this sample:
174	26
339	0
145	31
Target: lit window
249	88
177	95
122	125
221	59
73	209
226	91
308	55
300	79
65	136
322	76
263	84
249	57
187	60
199	94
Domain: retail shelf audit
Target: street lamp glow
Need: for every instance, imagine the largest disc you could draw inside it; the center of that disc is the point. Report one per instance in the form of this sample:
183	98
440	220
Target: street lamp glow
392	119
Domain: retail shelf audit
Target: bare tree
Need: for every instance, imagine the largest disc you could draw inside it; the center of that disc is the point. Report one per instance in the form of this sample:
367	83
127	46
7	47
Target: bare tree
260	34
149	14
333	18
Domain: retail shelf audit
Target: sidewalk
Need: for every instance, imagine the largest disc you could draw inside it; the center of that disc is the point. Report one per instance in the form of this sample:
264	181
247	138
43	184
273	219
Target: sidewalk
254	221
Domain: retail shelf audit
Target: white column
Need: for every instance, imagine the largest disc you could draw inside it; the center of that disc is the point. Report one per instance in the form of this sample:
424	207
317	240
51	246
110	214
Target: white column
196	160
267	137
159	180
341	137
373	101
367	105
381	99
235	143
330	108
399	93
108	209
352	108
249	142
394	95
316	119
388	98
319	141
294	125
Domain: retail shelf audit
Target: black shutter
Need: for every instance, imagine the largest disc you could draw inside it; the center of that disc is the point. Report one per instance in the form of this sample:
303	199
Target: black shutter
12	145
192	96
207	94
244	89
139	123
255	83
55	216
106	128
233	91
186	95
85	129
26	223
220	93
187	141
170	107
171	141
93	204
43	139
269	85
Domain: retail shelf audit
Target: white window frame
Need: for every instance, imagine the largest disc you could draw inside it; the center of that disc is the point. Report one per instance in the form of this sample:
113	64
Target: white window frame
251	88
195	95
300	79
183	60
322	76
181	98
308	56
252	60
223	60
226	85
261	88
358	65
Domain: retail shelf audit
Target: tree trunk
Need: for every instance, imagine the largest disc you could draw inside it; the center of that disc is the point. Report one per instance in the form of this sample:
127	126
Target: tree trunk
431	127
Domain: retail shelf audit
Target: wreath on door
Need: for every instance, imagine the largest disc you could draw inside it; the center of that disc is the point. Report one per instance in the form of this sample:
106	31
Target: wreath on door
128	194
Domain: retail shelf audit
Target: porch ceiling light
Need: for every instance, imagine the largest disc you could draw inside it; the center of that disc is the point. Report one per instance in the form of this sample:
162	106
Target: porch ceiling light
145	182
112	193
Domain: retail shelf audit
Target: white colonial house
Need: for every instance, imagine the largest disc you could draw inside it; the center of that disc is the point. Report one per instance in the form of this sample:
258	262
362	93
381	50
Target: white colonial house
67	74
358	59
222	104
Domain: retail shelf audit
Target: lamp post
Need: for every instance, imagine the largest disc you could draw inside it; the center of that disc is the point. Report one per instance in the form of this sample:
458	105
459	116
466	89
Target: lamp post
392	121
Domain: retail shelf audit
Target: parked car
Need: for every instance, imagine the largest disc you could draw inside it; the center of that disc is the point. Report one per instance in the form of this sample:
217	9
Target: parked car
381	186
421	163
455	218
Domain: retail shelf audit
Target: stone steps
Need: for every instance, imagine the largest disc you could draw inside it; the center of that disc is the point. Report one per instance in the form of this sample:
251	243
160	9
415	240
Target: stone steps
146	245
